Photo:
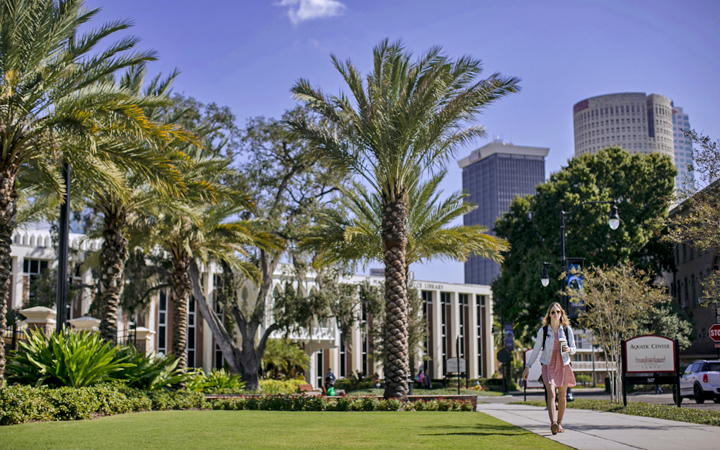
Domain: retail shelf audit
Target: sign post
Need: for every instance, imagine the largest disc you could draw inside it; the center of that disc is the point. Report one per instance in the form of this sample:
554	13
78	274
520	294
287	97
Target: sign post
715	336
650	359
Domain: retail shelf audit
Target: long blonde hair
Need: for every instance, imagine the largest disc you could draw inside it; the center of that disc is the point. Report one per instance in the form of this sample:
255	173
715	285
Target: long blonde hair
564	321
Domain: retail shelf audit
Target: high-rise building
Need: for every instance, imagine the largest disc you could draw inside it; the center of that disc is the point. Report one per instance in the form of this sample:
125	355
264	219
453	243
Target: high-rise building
493	175
633	121
683	146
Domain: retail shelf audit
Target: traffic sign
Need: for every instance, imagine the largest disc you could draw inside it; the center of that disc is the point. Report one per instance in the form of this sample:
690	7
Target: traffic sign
504	356
715	332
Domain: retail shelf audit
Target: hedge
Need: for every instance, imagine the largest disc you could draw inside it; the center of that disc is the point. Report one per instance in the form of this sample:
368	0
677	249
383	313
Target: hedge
307	403
22	403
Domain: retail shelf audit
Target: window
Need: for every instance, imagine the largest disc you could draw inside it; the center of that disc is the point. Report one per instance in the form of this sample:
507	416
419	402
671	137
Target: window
162	323
319	368
33	268
444	303
218	353
463	300
480	299
191	332
342	358
364	336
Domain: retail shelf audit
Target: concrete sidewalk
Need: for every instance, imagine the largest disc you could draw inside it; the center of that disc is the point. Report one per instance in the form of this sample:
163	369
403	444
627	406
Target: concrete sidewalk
597	430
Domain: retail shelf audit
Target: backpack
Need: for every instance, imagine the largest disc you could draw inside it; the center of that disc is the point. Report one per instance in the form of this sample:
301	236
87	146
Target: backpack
545	331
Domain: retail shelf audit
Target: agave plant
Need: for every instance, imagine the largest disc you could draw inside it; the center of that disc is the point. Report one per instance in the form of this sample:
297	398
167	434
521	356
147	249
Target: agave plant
149	372
216	381
65	359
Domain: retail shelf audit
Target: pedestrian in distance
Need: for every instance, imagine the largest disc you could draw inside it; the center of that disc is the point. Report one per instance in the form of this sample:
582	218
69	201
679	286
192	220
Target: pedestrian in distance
554	344
330	378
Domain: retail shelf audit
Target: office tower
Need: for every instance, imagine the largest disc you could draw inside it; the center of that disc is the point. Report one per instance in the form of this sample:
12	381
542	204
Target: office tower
633	121
683	146
493	175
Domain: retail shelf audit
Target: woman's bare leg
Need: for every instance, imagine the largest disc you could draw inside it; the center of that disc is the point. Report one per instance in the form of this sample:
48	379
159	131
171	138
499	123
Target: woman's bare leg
551	402
562	402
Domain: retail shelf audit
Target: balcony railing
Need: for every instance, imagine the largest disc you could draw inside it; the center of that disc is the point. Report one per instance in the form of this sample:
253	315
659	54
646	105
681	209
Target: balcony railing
586	366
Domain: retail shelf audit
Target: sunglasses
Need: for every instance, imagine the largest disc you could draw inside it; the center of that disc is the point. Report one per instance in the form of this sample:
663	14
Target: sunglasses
555	312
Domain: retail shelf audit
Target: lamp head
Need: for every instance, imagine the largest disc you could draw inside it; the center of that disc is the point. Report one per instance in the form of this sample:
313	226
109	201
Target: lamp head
614	220
545	280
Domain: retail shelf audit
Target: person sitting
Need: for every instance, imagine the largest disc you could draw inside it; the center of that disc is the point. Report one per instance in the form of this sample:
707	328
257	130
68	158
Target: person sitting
376	381
331	376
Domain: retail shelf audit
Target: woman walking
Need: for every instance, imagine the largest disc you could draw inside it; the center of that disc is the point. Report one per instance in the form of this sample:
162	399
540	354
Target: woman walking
554	344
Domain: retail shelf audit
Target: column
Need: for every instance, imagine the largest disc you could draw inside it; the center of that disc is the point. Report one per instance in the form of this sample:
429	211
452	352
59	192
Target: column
17	280
207	343
471	324
436	343
488	341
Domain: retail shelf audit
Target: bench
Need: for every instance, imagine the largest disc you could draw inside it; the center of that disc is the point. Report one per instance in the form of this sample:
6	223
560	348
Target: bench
308	389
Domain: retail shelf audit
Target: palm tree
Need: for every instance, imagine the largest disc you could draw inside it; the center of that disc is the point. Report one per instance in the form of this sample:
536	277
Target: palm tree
56	102
406	115
203	234
141	192
339	238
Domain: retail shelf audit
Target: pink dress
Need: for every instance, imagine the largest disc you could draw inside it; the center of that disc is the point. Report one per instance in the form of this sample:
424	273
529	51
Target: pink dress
555	373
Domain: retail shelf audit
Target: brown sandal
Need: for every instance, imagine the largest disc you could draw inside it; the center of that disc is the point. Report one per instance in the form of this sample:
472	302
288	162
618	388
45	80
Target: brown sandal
560	428
554	428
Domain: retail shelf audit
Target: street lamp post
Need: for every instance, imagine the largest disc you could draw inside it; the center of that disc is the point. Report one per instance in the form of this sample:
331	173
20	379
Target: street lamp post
613	223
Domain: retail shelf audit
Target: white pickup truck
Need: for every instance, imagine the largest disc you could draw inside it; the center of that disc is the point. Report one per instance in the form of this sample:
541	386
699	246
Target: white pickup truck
701	380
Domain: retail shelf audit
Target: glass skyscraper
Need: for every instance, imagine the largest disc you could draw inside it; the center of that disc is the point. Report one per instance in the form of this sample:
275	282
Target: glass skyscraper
493	175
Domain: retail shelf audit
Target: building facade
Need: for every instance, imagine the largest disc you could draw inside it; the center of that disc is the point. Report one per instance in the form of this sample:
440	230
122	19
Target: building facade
453	312
634	121
492	176
692	266
684	154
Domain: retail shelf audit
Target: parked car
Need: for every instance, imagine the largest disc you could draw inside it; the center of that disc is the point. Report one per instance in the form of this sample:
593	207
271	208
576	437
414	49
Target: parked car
701	381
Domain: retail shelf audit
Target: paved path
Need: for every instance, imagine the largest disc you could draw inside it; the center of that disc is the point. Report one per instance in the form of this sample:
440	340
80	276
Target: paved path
644	397
597	430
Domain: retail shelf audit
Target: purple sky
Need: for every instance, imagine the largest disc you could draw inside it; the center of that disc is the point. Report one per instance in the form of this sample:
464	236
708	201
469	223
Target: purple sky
247	55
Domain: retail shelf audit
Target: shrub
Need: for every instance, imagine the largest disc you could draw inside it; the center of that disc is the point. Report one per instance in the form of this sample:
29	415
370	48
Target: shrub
64	359
20	404
218	381
280	387
350	384
148	372
583	379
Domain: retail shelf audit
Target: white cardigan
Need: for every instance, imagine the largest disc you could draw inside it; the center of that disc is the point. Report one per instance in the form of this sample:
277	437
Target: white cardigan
546	354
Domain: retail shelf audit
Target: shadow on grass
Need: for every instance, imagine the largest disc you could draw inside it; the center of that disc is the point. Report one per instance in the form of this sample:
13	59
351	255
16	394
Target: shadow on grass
475	430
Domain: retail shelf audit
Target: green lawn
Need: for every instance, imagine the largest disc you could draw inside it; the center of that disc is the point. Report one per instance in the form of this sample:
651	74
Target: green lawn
169	430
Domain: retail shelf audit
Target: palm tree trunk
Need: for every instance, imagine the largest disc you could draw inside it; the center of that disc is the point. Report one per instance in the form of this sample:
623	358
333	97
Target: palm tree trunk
113	256
394	235
179	292
8	197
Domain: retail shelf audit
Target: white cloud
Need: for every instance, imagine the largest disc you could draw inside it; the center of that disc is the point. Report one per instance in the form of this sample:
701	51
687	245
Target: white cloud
302	10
